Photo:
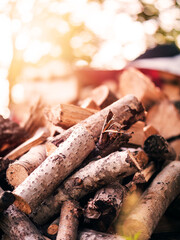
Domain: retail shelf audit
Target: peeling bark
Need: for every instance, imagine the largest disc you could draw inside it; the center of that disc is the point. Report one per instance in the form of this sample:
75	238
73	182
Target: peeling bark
93	176
127	111
68	223
17	225
44	179
153	203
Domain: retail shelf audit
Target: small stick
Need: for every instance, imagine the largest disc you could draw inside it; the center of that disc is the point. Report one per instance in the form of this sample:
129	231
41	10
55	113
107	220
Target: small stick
94	235
67	115
53	227
45	178
93	176
69	222
6	199
21	169
126	110
153	203
39	137
17	225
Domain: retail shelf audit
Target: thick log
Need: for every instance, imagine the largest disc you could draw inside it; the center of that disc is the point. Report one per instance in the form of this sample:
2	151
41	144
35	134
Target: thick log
155	200
135	82
69	222
17	225
165	118
127	111
103	96
94	235
21	169
39	137
93	176
53	227
6	199
67	115
11	134
44	179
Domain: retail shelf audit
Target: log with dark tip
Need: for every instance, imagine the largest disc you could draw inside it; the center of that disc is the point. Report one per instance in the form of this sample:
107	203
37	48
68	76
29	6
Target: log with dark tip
44	179
17	225
69	221
126	110
94	235
93	176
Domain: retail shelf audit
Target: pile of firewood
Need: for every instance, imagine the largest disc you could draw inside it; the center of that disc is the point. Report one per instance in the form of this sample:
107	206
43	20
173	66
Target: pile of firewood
69	172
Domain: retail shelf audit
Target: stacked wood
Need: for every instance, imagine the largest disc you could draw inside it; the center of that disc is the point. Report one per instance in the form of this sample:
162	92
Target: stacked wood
155	200
90	234
134	82
89	103
18	171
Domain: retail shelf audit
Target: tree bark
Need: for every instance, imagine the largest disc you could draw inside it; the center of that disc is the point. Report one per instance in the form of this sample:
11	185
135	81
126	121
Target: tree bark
6	199
93	235
153	203
44	179
21	169
69	222
17	225
127	111
93	176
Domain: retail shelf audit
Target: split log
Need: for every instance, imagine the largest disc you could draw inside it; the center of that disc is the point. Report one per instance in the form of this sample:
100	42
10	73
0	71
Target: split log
158	148
149	130
44	179
11	134
53	227
94	235
176	146
127	111
132	81
165	118
93	176
39	137
89	103
67	115
69	222
155	200
21	169
103	96
17	225
137	136
6	199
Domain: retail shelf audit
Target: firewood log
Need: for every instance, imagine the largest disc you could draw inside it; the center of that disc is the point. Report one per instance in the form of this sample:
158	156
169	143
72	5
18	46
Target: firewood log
67	115
155	200
103	96
149	130
89	103
165	118
11	135
17	225
21	169
44	179
6	199
39	137
94	235
127	111
132	81
93	176
68	223
53	227
138	134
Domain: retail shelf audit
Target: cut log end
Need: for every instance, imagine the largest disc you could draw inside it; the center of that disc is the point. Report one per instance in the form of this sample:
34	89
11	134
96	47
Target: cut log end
16	174
22	205
52	229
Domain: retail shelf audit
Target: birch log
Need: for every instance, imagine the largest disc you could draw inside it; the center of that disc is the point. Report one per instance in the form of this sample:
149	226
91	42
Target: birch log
17	225
44	179
94	235
127	111
93	176
69	222
21	169
153	203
